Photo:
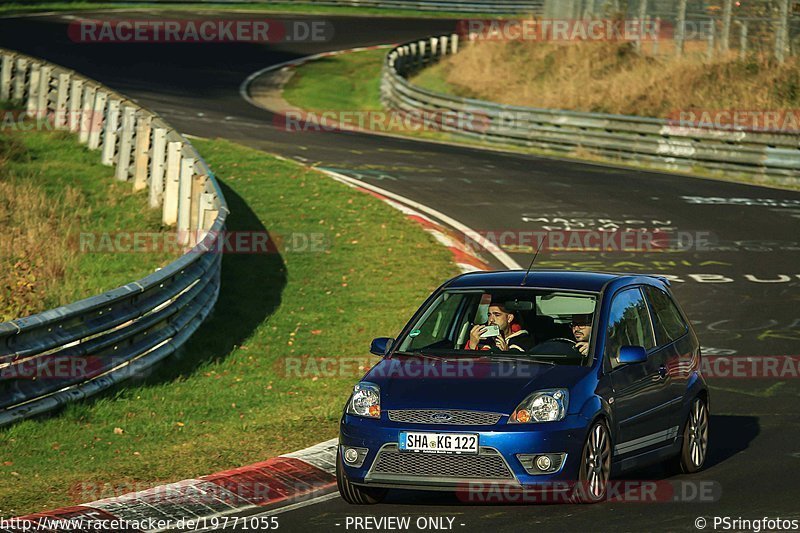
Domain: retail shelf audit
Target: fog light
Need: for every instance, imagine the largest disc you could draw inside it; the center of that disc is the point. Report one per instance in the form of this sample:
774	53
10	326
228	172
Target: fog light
351	455
543	463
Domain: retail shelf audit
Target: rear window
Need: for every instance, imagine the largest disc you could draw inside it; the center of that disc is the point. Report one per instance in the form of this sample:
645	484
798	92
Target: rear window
667	319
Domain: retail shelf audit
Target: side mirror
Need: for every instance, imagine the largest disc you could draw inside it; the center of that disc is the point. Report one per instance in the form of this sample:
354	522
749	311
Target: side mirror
380	346
632	354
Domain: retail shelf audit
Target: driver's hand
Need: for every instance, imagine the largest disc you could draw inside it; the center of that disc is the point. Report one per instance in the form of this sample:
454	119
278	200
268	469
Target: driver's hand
582	347
475	335
501	343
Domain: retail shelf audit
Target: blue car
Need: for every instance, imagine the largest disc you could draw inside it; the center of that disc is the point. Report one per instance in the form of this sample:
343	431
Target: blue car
545	381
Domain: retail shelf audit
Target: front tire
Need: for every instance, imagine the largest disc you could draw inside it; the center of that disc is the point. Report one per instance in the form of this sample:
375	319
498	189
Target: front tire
694	448
355	494
595	468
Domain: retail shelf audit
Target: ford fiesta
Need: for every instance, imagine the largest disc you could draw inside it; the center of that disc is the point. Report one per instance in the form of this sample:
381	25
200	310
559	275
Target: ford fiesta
549	381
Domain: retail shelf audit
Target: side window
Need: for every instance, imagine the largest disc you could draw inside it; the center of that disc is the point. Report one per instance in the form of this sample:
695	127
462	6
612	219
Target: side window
668	322
628	324
436	326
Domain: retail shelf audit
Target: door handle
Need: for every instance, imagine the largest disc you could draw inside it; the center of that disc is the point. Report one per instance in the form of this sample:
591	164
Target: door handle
662	371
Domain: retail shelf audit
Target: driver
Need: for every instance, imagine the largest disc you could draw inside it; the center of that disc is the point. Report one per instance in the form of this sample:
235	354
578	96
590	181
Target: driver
512	336
582	331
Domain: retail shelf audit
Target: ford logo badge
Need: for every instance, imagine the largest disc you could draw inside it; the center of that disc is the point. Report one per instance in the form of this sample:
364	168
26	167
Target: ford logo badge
441	417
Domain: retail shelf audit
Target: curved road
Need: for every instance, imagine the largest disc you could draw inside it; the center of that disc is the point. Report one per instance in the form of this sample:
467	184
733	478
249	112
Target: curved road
743	296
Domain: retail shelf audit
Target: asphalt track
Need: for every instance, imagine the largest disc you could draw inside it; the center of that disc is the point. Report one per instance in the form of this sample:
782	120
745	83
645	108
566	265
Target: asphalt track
752	307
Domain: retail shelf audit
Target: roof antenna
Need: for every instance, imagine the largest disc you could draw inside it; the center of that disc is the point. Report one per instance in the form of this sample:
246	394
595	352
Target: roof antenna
541	243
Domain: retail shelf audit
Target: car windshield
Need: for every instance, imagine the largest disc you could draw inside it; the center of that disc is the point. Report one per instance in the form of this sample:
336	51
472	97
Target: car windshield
524	323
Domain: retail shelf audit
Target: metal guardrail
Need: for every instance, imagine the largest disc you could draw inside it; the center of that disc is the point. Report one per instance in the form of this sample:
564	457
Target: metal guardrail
656	142
77	350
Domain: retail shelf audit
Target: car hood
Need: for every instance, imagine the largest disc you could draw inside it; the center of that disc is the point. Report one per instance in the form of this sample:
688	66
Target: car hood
481	384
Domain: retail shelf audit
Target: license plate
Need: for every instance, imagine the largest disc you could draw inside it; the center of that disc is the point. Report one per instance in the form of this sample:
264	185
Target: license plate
438	442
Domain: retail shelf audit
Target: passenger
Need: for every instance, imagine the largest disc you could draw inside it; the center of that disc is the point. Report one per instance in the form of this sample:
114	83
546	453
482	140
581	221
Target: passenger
512	335
582	331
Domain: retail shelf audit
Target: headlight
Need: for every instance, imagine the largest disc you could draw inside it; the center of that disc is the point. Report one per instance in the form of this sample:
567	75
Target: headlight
365	401
542	406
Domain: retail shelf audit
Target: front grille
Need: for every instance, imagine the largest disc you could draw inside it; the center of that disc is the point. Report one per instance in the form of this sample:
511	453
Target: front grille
489	464
457	418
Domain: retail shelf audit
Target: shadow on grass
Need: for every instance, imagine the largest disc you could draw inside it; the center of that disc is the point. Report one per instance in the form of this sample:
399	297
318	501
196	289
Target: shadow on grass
250	291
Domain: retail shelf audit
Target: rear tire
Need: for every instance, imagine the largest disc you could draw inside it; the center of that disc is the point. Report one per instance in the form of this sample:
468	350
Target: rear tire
694	447
355	494
595	468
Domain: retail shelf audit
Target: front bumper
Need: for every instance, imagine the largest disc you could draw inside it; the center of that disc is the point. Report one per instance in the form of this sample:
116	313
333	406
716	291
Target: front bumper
496	463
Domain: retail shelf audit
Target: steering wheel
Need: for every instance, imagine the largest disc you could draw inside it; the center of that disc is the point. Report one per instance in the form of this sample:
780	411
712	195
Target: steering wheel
562	339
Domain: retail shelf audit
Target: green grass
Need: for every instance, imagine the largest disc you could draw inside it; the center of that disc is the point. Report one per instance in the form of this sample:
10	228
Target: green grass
265	7
227	401
54	169
357	77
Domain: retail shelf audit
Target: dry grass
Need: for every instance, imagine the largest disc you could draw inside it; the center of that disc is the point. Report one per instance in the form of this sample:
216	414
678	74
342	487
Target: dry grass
613	78
32	262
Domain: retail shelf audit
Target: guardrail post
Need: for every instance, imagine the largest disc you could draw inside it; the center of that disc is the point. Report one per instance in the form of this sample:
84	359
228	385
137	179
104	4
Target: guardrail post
33	90
680	30
75	96
157	155
171	182
45	73
710	43
61	101
642	15
97	119
196	214
125	142
20	73
443	45
742	39
206	214
727	12
434	46
142	152
185	199
110	132
782	30
87	113
656	35
454	43
414	58
5	77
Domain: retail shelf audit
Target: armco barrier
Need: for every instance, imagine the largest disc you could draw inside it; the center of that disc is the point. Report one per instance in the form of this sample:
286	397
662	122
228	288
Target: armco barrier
110	337
655	142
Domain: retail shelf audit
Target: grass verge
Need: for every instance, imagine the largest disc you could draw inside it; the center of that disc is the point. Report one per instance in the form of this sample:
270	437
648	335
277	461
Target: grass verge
246	387
51	186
